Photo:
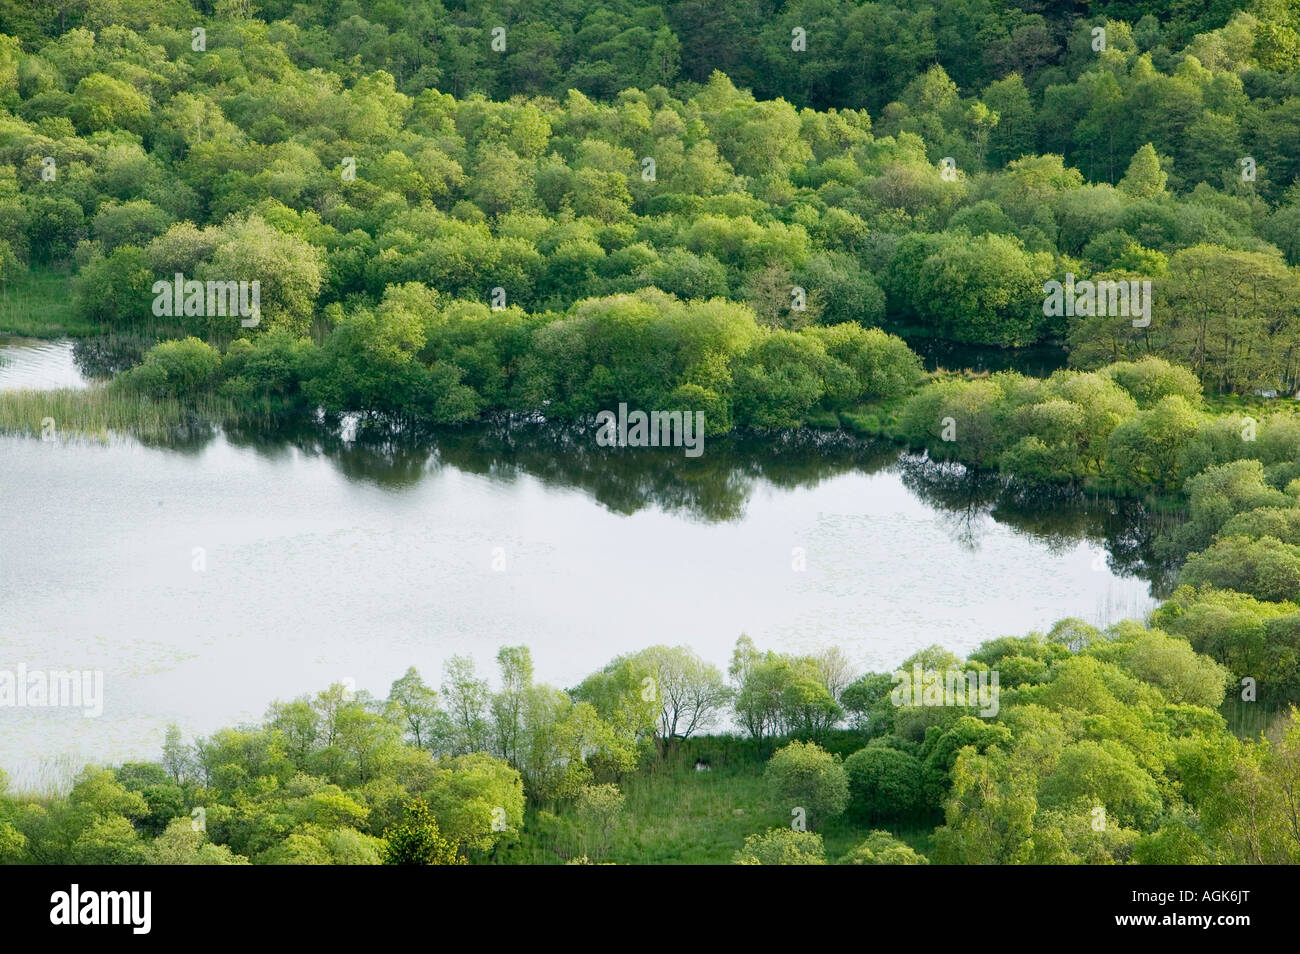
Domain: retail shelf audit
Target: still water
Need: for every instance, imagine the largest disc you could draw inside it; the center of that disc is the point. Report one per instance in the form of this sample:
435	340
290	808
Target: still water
209	577
40	365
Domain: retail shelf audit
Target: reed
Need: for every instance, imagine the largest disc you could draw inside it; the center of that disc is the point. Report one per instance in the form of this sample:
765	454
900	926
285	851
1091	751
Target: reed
99	413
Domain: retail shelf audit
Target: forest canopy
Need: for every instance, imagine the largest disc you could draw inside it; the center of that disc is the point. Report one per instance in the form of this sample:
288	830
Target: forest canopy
335	153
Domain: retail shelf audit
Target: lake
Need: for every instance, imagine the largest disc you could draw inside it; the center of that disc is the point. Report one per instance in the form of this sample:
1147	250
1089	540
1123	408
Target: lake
208	577
37	364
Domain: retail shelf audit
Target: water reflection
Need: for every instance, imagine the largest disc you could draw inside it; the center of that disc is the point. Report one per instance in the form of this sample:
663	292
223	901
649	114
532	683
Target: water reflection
106	355
1036	360
717	486
1126	529
40	365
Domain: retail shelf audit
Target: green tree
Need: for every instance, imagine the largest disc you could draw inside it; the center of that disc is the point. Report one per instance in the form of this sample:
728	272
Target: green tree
477	800
803	775
599	807
415	707
1144	178
884	783
1144	450
417	840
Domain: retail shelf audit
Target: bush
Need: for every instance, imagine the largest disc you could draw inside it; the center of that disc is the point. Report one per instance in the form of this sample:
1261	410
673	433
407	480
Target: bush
882	848
782	846
882	365
884	784
174	368
803	775
1265	568
1151	379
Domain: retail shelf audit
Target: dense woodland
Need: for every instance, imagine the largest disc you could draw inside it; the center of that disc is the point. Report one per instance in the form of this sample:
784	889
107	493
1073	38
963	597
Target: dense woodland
620	205
1107	748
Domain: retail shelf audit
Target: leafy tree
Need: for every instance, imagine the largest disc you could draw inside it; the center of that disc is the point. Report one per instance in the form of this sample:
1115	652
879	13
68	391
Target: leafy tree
1150	379
466	701
175	368
989	816
1171	664
599	807
681	693
987	290
1265	568
1144	179
884	783
102	102
180	844
287	268
417	840
803	775
415	707
1144	449
477	800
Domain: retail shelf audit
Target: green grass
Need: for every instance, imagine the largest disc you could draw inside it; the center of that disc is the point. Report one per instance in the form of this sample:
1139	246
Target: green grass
39	305
98	413
875	419
673	814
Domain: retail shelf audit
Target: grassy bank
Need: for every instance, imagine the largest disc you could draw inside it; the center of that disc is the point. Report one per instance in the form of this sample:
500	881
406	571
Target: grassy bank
38	304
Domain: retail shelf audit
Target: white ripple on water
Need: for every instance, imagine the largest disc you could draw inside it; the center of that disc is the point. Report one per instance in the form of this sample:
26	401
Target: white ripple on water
38	365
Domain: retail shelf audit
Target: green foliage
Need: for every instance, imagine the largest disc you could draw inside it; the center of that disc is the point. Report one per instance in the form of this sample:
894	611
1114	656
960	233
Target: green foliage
416	841
477	799
1144	179
1150	379
885	784
803	776
1221	492
1265	568
174	368
1144	449
777	694
987	289
1253	638
668	691
782	846
882	848
527	172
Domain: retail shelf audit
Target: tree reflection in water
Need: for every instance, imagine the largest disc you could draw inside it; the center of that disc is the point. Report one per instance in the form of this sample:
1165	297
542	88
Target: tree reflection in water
716	486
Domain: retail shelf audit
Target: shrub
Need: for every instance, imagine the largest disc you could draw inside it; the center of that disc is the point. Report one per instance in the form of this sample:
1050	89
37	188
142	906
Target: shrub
802	774
782	846
884	784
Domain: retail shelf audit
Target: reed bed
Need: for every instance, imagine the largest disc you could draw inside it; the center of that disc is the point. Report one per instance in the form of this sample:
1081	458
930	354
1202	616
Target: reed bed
100	413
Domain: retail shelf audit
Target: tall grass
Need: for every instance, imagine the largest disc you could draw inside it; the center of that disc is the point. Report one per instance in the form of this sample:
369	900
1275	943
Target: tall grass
51	778
39	304
97	413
